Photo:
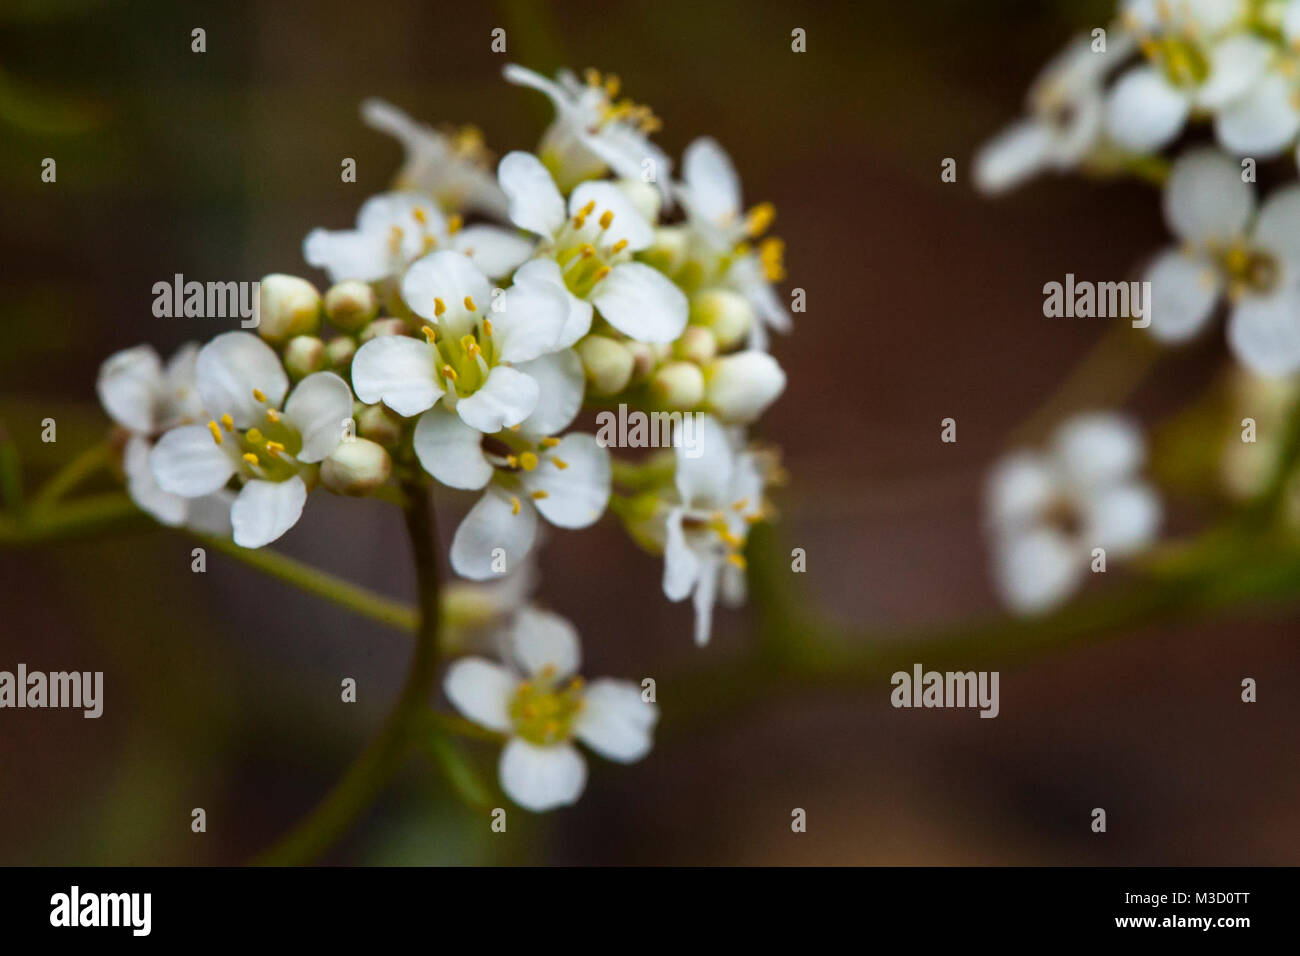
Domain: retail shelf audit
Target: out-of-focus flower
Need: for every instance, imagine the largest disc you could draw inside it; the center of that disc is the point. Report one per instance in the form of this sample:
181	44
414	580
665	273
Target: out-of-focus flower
1046	512
538	702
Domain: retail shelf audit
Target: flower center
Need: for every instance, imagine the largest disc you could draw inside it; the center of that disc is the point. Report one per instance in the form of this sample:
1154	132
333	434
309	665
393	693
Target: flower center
543	712
1061	515
268	452
1179	57
1250	270
464	353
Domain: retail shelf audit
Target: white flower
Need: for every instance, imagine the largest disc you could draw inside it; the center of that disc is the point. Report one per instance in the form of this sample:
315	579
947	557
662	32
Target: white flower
710	194
471	347
1047	512
719	494
450	166
242	385
395	229
209	514
590	250
1226	248
742	385
144	397
592	131
542	707
1064	121
566	480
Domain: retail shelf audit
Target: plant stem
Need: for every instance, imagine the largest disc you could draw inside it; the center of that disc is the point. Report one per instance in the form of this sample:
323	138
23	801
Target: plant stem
365	602
371	771
92	516
72	474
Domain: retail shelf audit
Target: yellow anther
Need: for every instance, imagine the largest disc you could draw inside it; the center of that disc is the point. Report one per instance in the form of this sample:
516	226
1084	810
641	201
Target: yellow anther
619	246
741	505
439	306
430	333
528	461
612	85
759	218
487	327
254	436
227	422
216	432
560	463
430	243
771	253
601	273
588	209
454	224
420	215
579	221
469	304
514	505
274	448
395	239
592	76
450	373
250	458
549	442
738	560
606	219
272	415
538	495
587	250
512	461
259	395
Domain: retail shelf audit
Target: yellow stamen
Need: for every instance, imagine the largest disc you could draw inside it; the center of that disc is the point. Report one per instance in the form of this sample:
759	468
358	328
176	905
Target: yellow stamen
439	306
588	209
430	243
450	373
250	458
738	560
771	253
254	436
259	395
430	333
528	461
538	495
587	250
619	246
227	422
395	239
612	85
469	304
454	225
560	463
487	327
741	505
606	219
601	273
512	461
420	215
216	432
514	505
549	442
274	448
272	415
591	76
579	221
759	218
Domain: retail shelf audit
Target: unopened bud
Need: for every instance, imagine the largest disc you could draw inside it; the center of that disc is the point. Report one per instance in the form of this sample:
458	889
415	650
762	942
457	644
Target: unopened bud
726	313
303	355
383	327
607	363
697	345
339	352
356	467
286	306
644	359
644	197
668	251
350	305
378	424
679	385
742	385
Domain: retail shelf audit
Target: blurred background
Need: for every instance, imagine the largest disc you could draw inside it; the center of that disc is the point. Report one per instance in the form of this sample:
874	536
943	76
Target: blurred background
924	302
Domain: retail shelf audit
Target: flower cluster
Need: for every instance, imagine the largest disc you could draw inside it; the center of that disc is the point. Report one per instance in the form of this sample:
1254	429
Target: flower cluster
472	314
1198	95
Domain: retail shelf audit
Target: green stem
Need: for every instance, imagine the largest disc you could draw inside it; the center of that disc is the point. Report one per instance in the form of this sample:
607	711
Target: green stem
370	773
89	517
73	474
320	583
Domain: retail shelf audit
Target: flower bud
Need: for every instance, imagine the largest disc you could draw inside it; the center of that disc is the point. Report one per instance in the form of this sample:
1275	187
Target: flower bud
697	345
644	359
668	251
379	424
303	355
679	385
742	385
383	327
339	352
728	314
286	306
350	305
644	197
608	364
357	467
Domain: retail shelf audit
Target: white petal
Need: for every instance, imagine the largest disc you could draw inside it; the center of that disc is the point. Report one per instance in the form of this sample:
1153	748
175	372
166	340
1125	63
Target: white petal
743	385
490	525
627	225
320	407
1144	112
710	188
615	722
681	565
348	254
187	462
541	639
450	450
1097	448
1123	520
398	371
705	596
264	510
531	319
1037	571
1235	65
1184	291
129	387
167	508
578	322
1013	156
1019	487
1264	333
535	202
497	252
210	514
481	691
641	303
561	384
542	778
1291	20
449	276
1278	227
1261	123
503	401
1205	199
705	462
228	369
574	496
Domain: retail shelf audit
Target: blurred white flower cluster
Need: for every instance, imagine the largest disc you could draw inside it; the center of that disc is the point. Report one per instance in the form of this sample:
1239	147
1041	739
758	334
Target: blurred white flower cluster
472	314
1202	96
